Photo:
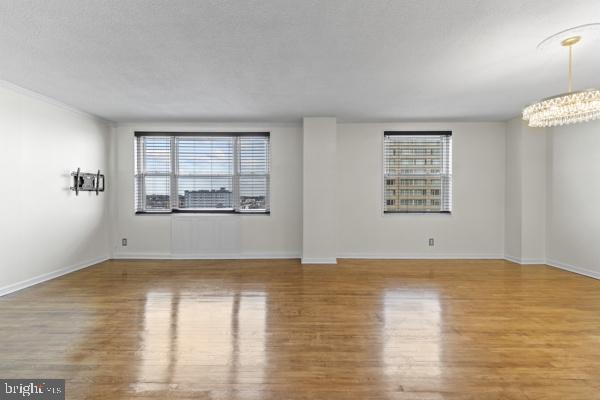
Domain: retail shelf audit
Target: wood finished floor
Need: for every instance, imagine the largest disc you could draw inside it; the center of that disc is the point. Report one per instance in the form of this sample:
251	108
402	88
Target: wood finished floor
278	330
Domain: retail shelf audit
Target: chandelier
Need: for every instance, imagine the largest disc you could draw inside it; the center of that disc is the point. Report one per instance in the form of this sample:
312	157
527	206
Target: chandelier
565	108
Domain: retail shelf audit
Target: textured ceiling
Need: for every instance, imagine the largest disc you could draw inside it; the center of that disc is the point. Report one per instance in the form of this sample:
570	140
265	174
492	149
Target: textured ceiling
279	60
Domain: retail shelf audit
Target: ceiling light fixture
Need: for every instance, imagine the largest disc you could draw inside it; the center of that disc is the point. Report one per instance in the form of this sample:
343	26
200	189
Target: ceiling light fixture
570	107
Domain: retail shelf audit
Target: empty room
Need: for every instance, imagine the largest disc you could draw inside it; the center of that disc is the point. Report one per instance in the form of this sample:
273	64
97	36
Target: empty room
300	199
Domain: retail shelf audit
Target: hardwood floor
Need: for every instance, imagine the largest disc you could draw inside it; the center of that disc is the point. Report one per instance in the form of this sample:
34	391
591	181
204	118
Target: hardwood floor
278	330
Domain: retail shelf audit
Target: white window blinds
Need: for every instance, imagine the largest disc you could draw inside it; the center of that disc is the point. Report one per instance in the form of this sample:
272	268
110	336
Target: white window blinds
153	173
417	172
217	172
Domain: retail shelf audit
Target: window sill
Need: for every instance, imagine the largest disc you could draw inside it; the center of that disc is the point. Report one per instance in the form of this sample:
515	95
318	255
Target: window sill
190	212
418	213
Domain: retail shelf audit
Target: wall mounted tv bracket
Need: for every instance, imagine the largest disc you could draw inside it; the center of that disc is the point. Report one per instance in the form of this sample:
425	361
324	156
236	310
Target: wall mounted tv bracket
87	182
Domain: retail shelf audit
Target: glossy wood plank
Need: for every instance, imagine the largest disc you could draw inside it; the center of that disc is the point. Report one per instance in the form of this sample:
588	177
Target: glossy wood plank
277	330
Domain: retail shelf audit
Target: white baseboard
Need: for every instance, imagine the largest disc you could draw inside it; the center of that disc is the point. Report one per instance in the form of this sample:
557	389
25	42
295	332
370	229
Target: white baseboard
572	268
204	256
516	260
525	261
49	275
422	256
323	260
555	264
141	256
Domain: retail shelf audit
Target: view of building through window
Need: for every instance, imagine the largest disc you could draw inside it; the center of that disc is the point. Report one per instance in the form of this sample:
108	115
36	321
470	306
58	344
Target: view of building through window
417	172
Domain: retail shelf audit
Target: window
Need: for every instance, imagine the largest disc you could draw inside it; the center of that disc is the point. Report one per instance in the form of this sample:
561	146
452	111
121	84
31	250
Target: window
417	189
202	172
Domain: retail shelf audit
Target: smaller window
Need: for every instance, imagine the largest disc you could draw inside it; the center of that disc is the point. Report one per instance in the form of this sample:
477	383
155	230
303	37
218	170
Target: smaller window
421	164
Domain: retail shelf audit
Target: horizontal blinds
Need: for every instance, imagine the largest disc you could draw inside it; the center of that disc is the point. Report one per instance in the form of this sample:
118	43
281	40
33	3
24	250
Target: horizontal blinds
205	172
417	172
253	169
153	173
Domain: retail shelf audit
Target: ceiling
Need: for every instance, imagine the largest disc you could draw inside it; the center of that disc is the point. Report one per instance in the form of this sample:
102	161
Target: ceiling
279	60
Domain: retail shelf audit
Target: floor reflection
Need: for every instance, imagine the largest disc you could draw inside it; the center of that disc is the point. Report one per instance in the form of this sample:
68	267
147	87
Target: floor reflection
412	335
158	347
214	340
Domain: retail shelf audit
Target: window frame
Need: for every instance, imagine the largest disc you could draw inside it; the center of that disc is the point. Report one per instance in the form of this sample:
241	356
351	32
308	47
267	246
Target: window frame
383	176
174	174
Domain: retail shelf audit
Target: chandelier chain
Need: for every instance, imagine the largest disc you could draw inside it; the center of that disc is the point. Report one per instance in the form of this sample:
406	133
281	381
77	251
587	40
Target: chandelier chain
570	69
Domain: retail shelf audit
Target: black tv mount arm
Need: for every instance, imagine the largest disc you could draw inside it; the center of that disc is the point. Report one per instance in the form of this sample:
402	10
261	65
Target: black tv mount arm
87	182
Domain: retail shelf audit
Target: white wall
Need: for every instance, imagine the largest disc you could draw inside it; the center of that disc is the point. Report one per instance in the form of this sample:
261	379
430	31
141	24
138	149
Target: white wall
533	190
573	215
514	157
46	229
276	235
474	229
525	219
319	190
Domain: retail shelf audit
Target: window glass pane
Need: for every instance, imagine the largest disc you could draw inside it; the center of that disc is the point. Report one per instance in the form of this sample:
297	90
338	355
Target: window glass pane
205	155
205	192
253	192
158	189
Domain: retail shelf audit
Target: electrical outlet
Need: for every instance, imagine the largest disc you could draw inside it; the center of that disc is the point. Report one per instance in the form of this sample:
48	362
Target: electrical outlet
431	243
124	242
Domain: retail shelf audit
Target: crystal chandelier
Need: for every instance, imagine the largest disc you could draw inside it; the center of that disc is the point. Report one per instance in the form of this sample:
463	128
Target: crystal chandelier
565	108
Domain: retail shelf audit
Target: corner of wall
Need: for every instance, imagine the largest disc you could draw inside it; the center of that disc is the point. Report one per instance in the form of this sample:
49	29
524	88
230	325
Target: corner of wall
525	209
113	189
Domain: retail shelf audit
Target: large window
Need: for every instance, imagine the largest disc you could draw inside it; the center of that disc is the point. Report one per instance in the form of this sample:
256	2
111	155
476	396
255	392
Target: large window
202	172
417	172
